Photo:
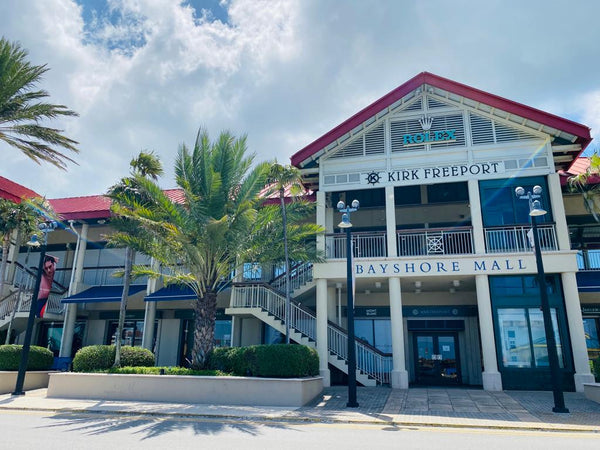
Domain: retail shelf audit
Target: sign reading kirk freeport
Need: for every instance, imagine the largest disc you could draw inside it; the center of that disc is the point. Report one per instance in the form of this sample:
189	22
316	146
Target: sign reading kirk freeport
439	173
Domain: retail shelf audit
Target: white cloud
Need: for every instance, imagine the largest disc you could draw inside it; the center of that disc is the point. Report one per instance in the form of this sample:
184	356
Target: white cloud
284	72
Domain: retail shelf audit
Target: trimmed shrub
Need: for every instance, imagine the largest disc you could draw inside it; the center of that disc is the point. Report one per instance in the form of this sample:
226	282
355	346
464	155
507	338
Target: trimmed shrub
277	361
40	358
102	357
167	371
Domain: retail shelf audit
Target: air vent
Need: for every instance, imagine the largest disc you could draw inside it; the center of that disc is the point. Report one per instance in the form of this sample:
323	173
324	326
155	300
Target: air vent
453	122
487	131
433	103
416	106
370	143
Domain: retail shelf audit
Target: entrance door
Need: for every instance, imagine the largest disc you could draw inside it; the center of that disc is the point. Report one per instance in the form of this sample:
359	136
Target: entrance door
436	359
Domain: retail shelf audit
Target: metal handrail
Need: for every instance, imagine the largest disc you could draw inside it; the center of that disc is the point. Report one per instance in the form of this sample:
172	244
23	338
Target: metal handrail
515	238
435	241
300	275
365	244
260	295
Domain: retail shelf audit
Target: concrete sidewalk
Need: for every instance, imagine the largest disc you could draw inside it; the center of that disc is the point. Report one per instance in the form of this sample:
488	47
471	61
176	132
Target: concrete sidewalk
466	408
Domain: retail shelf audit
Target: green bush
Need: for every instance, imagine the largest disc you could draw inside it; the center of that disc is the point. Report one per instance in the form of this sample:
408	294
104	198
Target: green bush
40	358
277	361
166	371
102	357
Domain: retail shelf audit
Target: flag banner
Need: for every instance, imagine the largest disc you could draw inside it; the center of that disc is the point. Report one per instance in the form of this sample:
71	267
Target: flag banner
530	237
49	268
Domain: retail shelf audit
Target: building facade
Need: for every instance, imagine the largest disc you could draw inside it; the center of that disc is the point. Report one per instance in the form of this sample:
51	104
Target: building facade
444	275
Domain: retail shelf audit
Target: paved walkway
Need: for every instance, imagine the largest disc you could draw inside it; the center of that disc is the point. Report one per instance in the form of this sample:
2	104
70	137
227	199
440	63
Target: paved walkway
380	405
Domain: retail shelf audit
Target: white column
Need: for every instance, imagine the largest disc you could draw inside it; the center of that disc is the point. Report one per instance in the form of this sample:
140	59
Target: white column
150	310
577	334
66	343
399	373
321	220
13	255
322	331
476	217
390	222
492	380
558	212
331	303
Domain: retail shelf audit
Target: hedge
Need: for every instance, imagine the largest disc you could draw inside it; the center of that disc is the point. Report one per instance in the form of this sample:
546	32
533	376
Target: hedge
276	361
40	358
166	371
102	357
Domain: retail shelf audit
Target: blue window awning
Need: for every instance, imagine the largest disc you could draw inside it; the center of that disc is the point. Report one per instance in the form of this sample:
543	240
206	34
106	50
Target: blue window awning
102	294
171	293
588	281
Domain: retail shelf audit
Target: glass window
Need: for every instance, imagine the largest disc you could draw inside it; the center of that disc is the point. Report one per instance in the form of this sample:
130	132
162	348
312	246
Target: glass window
514	337
272	336
222	338
448	192
133	332
538	335
500	206
407	195
590	328
368	198
50	336
377	332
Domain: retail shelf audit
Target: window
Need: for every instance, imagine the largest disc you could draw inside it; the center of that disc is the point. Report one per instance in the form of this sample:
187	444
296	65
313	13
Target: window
500	206
407	195
133	332
448	192
377	332
222	337
591	328
50	336
522	335
368	198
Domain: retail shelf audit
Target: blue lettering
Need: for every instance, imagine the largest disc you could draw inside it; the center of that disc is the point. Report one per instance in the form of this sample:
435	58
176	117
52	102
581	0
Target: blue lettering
425	265
359	269
450	134
396	268
383	267
495	265
410	267
521	266
439	135
408	139
480	266
508	266
371	269
455	267
440	267
419	138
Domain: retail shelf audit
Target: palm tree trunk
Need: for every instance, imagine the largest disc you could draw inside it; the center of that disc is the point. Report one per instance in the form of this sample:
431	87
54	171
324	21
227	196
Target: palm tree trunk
124	295
288	299
5	242
205	312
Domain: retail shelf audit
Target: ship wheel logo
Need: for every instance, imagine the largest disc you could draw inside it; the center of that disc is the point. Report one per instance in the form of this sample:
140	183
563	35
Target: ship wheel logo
373	178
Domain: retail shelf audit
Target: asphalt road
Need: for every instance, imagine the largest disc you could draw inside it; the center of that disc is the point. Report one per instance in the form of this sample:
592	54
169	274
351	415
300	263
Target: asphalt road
48	431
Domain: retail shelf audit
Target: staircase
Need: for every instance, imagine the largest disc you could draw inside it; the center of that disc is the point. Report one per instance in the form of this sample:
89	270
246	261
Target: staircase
267	304
15	306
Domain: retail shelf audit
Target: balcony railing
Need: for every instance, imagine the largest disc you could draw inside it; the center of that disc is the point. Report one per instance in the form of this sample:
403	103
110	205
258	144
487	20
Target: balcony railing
435	241
588	259
364	245
516	238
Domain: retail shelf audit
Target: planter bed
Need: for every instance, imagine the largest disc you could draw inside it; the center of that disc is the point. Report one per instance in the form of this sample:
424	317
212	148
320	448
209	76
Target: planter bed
244	391
34	379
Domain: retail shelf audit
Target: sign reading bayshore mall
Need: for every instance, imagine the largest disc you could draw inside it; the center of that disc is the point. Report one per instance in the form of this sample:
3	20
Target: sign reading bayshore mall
439	173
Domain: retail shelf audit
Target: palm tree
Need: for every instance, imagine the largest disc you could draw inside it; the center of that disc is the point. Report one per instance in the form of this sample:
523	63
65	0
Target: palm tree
22	111
198	240
282	177
590	192
145	165
20	217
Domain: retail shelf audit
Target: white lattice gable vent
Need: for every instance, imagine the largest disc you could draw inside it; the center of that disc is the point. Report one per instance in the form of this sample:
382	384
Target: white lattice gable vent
370	142
488	131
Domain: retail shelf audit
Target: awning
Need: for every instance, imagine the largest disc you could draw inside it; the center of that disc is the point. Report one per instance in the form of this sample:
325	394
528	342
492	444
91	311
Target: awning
172	293
588	281
102	294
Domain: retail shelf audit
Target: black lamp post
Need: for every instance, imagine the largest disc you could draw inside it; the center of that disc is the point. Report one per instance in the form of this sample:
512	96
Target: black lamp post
535	210
347	225
45	228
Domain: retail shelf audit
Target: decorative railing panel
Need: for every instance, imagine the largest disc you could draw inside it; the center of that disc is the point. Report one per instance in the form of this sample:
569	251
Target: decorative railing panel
435	241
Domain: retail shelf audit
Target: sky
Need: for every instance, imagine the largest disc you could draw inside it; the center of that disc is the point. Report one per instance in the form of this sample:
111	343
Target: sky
148	74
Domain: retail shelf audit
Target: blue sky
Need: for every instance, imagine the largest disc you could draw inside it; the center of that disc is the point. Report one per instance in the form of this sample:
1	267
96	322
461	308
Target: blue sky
146	74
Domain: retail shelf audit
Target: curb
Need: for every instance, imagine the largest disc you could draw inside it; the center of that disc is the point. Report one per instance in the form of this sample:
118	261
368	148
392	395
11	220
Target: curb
330	420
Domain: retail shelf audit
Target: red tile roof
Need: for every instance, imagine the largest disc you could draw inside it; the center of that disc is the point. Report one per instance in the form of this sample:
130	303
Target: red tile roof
14	191
581	131
74	208
580	165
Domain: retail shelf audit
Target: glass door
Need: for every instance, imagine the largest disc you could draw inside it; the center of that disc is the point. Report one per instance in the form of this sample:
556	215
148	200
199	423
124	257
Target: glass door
436	359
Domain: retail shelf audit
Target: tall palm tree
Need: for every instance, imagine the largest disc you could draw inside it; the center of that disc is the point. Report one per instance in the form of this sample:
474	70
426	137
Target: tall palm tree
145	165
282	178
22	110
199	240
